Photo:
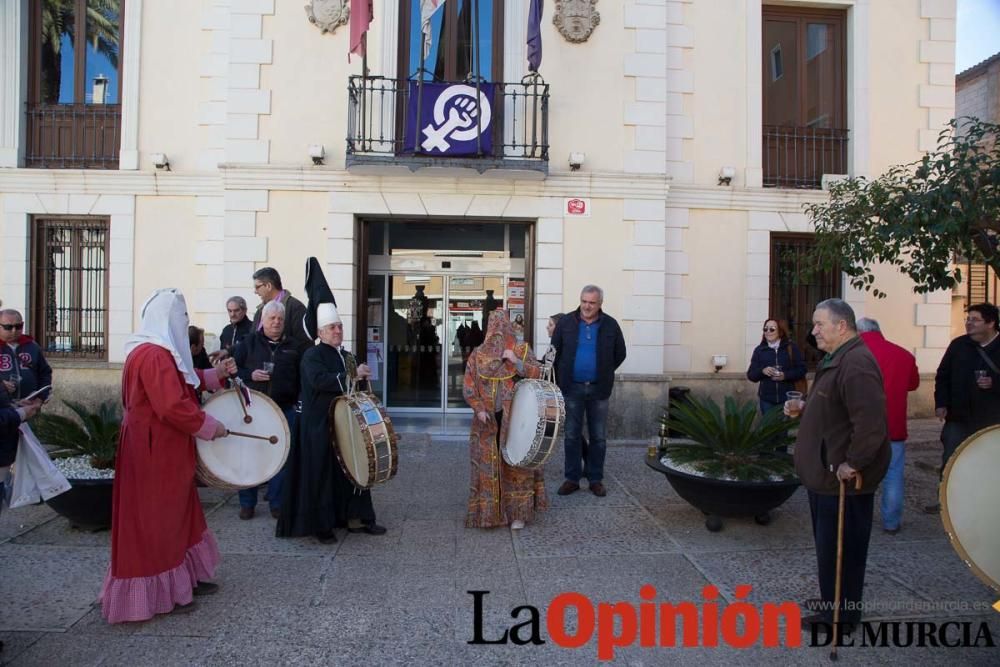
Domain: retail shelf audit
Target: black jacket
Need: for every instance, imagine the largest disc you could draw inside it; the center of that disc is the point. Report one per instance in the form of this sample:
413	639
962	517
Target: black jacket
793	365
295	312
610	351
286	356
955	383
234	333
10	419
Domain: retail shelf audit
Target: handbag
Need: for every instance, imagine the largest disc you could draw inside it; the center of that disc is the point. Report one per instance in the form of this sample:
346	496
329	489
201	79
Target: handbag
36	477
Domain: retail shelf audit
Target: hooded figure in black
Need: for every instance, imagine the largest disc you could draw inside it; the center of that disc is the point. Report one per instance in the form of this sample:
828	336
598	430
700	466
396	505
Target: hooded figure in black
318	497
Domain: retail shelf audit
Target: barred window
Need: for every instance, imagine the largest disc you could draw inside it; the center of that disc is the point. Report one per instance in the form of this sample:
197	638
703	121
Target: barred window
70	286
794	298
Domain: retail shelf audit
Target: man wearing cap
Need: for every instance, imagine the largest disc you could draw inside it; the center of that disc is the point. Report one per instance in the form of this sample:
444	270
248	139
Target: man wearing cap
317	496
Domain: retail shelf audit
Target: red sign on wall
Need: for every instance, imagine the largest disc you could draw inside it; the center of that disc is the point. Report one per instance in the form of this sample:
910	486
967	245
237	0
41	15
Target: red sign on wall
576	207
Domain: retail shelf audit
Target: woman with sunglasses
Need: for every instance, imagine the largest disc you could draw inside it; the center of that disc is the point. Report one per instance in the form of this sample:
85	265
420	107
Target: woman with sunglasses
776	365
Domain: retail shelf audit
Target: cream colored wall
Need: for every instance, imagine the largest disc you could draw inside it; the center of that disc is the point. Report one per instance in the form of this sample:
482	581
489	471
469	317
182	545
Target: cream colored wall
720	107
593	254
896	313
895	78
170	89
294	228
166	233
308	83
716	241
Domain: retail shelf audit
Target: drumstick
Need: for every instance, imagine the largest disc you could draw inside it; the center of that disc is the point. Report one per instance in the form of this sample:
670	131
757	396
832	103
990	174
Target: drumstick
239	394
271	439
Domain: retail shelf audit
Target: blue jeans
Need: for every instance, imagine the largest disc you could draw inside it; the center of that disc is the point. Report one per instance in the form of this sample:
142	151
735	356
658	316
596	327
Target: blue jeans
248	497
580	401
892	488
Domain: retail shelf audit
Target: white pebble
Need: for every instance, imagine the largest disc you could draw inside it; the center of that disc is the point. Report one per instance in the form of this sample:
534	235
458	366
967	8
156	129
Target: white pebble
78	467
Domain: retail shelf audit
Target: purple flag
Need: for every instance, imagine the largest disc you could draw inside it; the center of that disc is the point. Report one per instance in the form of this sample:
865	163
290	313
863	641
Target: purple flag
450	119
535	35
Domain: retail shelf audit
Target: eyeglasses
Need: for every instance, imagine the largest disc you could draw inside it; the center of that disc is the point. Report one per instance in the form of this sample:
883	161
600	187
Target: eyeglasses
770	329
972	320
13	327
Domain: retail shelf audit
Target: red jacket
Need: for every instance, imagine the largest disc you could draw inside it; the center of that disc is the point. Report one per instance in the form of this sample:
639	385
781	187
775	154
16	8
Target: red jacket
899	376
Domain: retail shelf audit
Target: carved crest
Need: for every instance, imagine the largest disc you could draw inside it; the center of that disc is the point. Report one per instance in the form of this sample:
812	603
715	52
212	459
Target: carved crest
328	15
576	19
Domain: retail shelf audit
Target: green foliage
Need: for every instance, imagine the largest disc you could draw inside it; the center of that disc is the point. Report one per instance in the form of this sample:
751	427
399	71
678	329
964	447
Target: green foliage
919	216
729	444
93	433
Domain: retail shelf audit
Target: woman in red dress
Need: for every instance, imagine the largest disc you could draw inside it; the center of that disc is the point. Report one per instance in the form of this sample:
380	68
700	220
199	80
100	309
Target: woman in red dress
162	551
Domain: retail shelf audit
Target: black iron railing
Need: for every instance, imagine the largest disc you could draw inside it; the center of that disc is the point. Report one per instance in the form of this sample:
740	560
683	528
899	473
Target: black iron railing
73	136
377	122
797	157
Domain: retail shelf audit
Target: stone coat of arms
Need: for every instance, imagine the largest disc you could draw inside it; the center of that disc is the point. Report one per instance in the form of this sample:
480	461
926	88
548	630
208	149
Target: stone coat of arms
576	19
328	15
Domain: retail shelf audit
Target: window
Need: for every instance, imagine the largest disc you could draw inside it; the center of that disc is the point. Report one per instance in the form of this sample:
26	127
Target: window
464	40
793	299
74	87
982	284
805	100
69	286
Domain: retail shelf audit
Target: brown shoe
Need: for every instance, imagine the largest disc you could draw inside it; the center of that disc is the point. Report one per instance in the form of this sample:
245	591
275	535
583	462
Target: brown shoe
246	513
568	487
598	489
184	608
205	588
932	509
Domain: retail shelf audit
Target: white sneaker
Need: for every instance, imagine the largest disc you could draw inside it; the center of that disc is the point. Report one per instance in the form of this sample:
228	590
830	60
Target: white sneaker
516	524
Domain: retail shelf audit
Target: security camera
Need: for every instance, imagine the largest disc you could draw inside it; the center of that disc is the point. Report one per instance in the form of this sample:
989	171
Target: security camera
576	160
160	161
317	153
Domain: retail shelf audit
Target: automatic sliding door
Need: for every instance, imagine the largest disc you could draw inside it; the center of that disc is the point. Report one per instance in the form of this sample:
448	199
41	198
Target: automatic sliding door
469	298
413	341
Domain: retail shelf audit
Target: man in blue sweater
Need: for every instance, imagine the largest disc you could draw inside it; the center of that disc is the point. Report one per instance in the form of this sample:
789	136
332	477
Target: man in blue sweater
589	348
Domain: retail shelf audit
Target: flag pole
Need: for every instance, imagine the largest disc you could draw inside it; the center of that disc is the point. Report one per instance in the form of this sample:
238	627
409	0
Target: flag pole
365	140
479	94
420	90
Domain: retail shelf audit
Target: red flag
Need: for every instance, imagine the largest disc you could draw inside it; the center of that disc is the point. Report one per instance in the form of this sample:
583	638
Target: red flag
361	19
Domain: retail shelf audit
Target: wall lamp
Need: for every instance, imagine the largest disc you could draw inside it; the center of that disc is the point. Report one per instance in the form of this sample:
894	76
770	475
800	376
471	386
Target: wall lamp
317	153
576	161
719	361
726	175
160	161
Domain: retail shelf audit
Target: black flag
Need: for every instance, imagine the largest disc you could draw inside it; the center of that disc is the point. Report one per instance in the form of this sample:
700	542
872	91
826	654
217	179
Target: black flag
317	291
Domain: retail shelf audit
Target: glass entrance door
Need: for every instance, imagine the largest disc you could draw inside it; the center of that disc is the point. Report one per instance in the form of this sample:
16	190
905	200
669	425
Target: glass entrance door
470	298
413	341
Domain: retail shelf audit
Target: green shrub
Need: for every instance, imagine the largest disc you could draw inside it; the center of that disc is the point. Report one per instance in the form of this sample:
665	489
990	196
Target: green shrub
94	433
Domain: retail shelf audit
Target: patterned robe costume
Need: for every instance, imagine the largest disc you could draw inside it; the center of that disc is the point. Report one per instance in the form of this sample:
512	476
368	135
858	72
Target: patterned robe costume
499	493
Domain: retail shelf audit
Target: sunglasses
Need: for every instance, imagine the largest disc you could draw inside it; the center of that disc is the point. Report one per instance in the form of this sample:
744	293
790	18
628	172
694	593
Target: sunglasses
12	327
770	329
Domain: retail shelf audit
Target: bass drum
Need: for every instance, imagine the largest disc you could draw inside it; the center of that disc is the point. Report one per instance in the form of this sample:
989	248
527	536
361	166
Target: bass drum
970	504
236	461
364	439
537	416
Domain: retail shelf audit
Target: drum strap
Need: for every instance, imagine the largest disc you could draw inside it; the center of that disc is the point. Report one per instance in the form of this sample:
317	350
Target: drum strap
986	358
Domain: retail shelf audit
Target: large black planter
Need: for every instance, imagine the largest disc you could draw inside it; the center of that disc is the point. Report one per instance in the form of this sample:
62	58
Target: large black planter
87	504
718	498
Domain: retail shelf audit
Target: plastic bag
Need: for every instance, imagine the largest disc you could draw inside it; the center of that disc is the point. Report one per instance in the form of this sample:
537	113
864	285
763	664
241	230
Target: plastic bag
36	477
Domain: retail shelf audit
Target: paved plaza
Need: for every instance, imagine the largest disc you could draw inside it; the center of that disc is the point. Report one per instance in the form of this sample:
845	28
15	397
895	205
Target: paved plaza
401	598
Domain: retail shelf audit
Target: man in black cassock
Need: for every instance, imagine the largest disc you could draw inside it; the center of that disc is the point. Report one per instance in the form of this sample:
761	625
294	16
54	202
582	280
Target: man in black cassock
318	497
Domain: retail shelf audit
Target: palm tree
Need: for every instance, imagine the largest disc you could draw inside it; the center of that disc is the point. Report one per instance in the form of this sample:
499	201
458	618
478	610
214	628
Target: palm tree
103	21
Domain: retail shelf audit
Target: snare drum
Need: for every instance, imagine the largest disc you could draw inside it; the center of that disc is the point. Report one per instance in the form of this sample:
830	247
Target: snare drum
238	462
537	416
364	439
970	504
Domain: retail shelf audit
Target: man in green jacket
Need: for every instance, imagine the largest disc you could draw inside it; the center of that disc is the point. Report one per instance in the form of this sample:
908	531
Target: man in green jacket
843	435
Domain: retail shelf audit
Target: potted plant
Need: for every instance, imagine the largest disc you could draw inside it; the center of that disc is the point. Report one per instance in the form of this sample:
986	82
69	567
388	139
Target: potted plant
84	451
728	463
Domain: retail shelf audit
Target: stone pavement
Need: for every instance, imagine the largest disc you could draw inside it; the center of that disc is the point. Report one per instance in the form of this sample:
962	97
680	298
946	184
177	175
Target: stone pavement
401	598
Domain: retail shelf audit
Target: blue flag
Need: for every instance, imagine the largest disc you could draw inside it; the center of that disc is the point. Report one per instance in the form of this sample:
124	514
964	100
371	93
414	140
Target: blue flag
535	35
450	119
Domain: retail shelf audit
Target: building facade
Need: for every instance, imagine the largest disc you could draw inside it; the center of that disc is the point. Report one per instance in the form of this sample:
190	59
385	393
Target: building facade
664	152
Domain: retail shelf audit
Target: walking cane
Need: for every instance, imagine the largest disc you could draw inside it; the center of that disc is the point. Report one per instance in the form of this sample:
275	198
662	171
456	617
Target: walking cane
840	560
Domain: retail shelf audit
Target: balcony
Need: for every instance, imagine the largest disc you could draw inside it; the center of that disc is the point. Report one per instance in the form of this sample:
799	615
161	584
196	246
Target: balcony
797	157
73	136
512	133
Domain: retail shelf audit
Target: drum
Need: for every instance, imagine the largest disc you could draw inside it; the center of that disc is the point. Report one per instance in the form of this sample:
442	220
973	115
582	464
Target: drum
537	416
364	439
970	504
256	448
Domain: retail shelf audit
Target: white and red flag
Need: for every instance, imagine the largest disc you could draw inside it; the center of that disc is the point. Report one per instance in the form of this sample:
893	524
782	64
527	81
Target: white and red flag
427	9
